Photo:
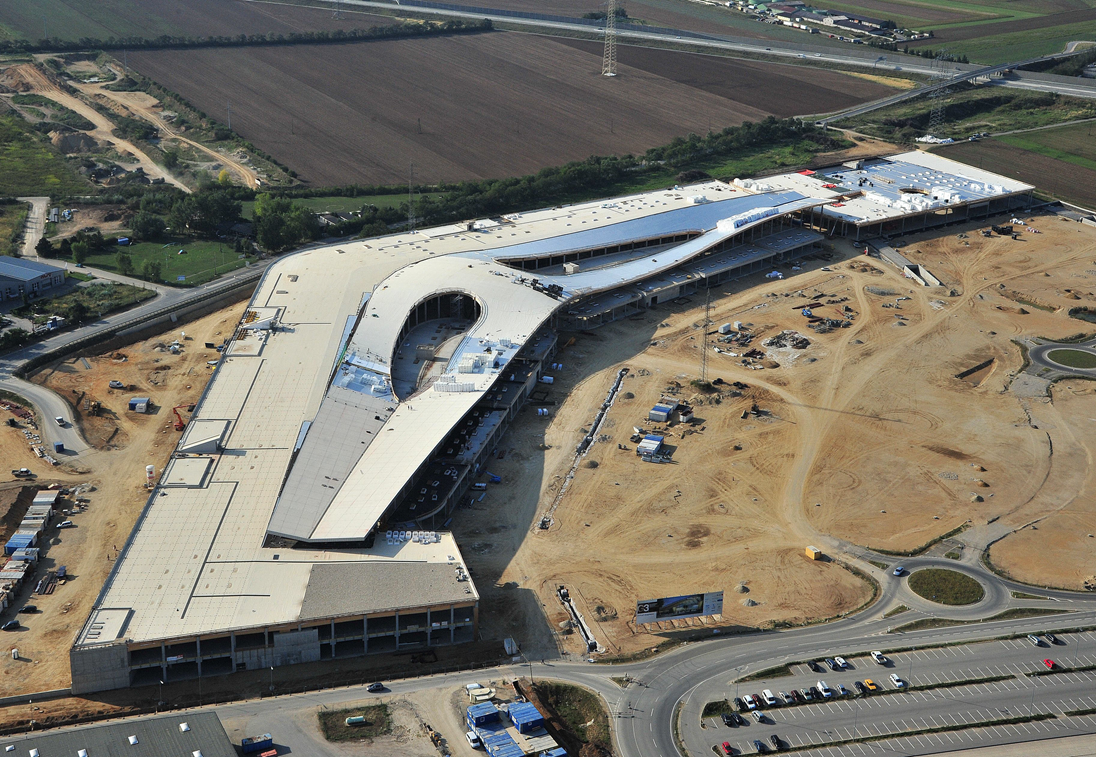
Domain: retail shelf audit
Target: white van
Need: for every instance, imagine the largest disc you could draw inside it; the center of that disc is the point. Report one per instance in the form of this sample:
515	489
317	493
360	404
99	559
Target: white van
473	739
770	700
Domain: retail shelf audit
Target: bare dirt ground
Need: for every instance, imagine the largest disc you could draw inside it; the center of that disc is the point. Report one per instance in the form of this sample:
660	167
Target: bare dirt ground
125	443
872	440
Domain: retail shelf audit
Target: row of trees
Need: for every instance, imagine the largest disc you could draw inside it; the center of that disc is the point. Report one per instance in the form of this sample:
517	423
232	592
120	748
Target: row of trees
429	28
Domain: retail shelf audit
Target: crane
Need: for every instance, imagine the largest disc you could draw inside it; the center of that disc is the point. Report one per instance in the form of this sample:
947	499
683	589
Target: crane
179	423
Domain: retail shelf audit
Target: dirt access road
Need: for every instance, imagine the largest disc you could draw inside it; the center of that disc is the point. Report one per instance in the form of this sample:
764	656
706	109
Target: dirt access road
886	434
41	84
148	108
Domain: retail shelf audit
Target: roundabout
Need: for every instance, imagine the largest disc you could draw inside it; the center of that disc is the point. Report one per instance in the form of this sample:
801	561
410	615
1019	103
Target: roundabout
946	587
1056	359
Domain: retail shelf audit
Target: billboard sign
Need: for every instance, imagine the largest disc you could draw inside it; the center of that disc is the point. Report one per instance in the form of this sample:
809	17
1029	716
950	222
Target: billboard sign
670	608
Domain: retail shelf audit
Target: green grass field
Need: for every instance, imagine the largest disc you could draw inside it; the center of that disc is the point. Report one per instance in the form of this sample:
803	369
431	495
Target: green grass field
946	587
1073	358
974	110
1001	48
1074	144
11	226
29	165
202	262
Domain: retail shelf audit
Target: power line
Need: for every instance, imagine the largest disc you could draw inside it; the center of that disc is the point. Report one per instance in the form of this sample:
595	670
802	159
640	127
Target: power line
609	61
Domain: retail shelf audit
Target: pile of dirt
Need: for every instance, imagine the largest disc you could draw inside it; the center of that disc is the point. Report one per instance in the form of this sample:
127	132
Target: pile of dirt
73	142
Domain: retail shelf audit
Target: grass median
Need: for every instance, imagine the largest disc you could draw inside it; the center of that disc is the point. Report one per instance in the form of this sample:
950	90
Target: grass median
946	587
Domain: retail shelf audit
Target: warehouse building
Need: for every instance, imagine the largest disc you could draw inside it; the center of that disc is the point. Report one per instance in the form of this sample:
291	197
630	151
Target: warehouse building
20	277
192	733
359	400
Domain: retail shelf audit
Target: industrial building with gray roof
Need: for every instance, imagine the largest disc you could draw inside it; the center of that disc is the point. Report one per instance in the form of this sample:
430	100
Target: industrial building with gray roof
300	516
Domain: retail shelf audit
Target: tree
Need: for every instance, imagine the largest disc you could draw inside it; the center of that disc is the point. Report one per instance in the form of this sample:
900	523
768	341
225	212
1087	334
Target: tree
171	158
44	248
224	178
280	224
125	264
152	270
148	226
64	249
79	252
78	312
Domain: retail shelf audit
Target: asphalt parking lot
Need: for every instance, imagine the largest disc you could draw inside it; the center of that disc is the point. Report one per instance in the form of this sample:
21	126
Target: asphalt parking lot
879	714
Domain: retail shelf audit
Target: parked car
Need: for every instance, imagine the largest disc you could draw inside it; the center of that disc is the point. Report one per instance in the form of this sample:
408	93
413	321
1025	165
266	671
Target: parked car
375	687
841	662
758	700
797	696
879	658
65	524
824	687
860	688
759	716
842	691
1035	640
739	704
11	625
831	663
760	746
787	697
727	749
473	739
116	385
872	685
769	698
808	696
815	692
814	666
775	741
748	700
23	473
1051	638
28	609
897	681
1049	663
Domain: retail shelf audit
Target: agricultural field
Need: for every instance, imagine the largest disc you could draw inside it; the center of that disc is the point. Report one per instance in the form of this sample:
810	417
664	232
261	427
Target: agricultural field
202	261
76	19
1060	162
479	106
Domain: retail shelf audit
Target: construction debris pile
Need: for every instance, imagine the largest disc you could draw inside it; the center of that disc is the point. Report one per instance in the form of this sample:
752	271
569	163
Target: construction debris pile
789	338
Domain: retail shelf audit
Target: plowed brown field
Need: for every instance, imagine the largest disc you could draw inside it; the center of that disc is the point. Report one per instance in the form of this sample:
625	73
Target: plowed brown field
488	105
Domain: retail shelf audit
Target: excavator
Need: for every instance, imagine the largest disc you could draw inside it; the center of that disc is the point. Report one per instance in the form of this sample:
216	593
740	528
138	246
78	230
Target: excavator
180	424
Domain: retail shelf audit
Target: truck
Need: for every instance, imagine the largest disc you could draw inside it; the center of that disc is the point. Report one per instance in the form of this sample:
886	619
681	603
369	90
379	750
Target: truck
251	744
23	473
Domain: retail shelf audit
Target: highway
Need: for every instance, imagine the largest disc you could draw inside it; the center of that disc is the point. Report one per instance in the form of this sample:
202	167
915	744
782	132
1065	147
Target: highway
860	56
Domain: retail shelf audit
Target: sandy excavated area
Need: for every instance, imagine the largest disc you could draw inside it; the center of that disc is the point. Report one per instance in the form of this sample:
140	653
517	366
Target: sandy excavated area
872	440
125	443
1064	523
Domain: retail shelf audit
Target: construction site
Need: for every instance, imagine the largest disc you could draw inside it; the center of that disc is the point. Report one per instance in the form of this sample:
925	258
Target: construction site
432	437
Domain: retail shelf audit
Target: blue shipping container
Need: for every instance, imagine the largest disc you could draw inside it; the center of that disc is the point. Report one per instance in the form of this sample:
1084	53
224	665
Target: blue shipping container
256	743
526	717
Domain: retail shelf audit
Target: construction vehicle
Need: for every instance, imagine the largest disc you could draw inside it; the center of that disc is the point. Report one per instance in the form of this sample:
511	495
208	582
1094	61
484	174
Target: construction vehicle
180	424
23	473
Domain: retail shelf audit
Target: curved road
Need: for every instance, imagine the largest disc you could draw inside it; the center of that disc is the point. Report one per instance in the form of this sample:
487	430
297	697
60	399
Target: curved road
1039	356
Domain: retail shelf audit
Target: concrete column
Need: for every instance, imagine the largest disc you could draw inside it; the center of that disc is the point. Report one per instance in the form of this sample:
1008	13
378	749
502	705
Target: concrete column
232	649
163	661
198	654
332	639
365	634
397	629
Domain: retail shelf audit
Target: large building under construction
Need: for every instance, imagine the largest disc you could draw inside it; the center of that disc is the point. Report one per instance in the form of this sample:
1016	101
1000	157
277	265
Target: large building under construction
302	516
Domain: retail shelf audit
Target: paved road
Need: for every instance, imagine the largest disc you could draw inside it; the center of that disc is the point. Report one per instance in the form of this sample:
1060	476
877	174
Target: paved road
1039	355
35	224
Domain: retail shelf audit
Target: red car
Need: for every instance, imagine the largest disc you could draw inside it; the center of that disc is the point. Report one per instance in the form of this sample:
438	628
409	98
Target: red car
727	748
1049	664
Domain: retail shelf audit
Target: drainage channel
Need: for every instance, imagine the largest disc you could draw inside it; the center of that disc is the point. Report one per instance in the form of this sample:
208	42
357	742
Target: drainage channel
584	447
